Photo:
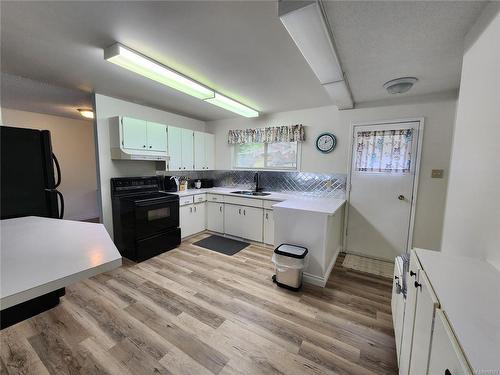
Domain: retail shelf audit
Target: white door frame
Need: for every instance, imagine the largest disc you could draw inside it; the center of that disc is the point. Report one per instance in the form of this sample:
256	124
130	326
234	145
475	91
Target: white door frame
420	129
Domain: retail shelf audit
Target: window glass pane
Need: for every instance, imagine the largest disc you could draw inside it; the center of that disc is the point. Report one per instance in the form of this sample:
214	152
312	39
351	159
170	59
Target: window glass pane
281	155
249	155
384	151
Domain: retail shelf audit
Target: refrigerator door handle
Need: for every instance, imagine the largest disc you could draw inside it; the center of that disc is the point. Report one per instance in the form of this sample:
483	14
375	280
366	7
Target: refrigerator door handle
58	169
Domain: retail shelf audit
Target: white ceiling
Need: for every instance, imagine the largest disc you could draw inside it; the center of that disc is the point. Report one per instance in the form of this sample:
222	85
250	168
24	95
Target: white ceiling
238	48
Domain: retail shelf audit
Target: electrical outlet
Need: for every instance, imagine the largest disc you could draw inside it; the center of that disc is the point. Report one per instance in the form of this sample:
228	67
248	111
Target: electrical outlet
437	173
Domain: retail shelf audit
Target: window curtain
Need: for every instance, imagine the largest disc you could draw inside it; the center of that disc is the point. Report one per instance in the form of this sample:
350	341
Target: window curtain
384	151
274	134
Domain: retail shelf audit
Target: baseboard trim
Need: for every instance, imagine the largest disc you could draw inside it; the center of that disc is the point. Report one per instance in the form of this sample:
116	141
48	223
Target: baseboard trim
318	280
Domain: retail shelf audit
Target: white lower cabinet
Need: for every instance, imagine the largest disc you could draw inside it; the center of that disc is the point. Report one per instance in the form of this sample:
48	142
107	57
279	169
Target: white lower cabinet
192	219
397	306
215	217
243	221
446	357
268	227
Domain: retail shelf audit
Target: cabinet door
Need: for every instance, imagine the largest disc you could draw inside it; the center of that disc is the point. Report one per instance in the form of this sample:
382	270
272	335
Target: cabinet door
199	151
268	227
233	221
186	220
409	317
209	151
134	133
215	217
187	150
157	136
445	350
199	217
427	303
174	140
397	307
252	223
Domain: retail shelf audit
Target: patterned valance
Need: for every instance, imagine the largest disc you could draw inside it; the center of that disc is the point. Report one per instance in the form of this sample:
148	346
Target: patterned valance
273	134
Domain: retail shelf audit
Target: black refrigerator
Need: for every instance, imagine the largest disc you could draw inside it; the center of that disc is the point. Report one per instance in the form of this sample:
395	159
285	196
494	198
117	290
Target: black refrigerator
29	180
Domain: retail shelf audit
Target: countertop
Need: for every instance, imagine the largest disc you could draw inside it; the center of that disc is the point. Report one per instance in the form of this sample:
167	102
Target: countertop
468	290
40	255
289	200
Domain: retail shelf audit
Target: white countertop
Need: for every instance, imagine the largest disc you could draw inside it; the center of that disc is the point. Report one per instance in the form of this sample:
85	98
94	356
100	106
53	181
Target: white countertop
468	290
40	255
290	200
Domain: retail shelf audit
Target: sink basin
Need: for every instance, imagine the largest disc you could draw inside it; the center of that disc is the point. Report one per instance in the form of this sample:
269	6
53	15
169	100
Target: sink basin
249	192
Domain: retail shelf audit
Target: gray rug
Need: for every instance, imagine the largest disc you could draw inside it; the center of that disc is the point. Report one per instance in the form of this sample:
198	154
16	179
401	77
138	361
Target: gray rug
222	245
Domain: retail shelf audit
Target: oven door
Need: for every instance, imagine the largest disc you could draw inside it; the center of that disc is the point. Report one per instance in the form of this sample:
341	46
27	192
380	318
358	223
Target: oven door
155	216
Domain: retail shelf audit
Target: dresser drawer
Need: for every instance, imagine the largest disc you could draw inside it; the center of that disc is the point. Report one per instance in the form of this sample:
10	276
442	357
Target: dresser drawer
183	201
251	202
215	197
200	198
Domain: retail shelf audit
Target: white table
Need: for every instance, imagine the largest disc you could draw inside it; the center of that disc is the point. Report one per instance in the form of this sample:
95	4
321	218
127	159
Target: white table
41	255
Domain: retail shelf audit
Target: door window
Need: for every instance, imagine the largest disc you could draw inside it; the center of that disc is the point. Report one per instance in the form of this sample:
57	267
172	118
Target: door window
384	151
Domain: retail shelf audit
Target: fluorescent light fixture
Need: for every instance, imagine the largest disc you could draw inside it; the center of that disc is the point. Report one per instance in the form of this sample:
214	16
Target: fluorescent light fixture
340	94
137	63
87	113
307	24
232	105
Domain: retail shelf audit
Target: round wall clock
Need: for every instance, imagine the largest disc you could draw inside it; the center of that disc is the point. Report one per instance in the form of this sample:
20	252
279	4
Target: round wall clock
326	142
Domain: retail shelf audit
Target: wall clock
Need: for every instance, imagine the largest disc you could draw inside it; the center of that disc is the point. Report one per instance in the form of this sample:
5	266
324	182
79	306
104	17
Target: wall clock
326	142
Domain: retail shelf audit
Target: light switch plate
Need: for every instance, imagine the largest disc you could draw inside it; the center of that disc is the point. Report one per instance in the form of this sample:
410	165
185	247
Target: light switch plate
437	173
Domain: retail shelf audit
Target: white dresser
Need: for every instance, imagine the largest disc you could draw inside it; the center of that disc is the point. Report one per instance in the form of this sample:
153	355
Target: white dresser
449	323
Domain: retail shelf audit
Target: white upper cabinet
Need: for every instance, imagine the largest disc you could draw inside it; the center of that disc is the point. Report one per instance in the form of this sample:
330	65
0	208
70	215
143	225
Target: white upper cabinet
187	149
199	151
134	133
174	148
209	151
156	136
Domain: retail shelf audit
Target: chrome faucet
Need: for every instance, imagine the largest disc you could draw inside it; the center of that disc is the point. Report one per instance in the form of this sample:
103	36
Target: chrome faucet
256	180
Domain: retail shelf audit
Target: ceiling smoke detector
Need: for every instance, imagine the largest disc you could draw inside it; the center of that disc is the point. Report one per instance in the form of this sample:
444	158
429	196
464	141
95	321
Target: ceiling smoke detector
399	85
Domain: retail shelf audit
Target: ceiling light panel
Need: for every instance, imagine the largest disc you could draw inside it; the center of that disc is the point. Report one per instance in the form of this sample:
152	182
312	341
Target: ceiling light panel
137	63
232	105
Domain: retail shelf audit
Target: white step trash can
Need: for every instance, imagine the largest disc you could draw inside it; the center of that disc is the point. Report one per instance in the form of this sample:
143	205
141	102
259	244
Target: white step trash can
290	261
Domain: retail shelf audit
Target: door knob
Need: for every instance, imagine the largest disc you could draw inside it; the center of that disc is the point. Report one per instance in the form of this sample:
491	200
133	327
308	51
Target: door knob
401	197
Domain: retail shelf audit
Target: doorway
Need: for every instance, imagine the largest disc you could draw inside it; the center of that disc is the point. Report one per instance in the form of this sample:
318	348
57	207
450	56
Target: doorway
382	188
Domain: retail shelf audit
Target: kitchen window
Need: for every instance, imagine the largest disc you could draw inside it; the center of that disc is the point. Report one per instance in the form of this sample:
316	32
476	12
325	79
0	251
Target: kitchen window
279	155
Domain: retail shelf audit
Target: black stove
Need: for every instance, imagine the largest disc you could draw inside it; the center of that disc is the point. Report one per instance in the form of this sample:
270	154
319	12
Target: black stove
145	220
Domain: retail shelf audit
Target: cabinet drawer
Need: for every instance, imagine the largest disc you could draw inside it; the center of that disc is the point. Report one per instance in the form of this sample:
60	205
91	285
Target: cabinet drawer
251	202
215	197
200	198
185	200
269	204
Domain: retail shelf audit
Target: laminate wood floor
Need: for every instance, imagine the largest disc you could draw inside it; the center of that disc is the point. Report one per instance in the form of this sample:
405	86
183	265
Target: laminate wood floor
194	311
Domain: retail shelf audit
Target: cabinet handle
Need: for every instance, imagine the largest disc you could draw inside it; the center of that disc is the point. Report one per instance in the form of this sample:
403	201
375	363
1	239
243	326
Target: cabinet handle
417	285
190	209
267	216
143	146
184	167
244	212
220	208
239	211
150	146
194	208
396	277
412	273
447	372
179	167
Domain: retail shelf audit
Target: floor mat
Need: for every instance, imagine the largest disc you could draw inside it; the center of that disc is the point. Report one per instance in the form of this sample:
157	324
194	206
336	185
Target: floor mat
222	245
368	265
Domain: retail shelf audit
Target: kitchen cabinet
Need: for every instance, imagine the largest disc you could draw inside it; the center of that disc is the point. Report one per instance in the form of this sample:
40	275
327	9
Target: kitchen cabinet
192	218
156	136
446	357
268	227
243	221
215	217
134	133
426	305
409	318
204	151
174	148
187	149
397	305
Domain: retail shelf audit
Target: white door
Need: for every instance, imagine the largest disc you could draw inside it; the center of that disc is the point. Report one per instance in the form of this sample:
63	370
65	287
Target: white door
186	220
233	222
187	149
209	151
199	217
157	136
268	227
215	217
380	200
199	151
174	148
134	133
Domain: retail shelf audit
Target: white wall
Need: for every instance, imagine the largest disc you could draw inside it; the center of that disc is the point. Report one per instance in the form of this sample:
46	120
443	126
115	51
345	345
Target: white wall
439	118
107	107
472	218
73	144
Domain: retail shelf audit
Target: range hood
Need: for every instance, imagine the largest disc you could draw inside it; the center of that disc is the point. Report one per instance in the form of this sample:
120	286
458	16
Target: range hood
120	153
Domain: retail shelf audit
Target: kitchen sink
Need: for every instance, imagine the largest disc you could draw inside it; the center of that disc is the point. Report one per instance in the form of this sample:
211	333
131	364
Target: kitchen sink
249	192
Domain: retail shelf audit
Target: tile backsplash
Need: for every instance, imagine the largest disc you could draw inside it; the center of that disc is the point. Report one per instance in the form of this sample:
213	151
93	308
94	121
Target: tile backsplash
314	184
